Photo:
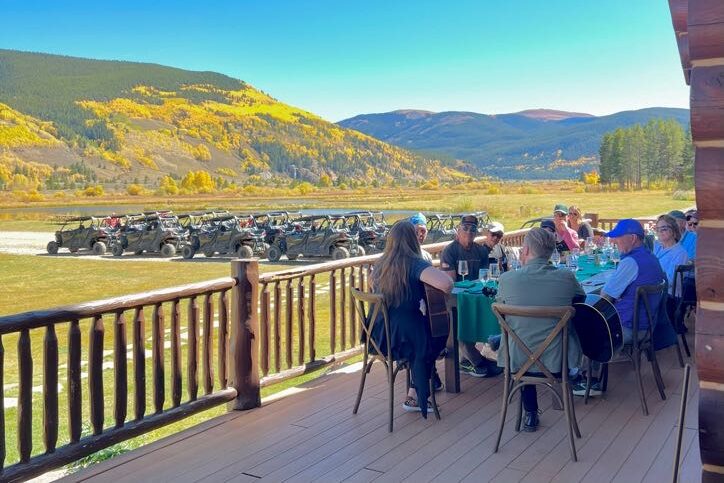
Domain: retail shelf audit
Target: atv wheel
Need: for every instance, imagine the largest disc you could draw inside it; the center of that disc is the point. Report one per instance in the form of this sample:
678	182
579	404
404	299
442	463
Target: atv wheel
292	257
274	253
99	248
138	252
340	253
265	250
245	251
188	252
168	250
360	251
73	250
209	253
117	250
52	247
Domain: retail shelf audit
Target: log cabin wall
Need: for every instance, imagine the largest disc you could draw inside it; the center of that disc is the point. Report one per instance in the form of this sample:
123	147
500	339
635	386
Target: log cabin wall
699	29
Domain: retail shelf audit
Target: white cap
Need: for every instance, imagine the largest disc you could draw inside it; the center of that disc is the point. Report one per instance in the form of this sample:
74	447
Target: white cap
496	227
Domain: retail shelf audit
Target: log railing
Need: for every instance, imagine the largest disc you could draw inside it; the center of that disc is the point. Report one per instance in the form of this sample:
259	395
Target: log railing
190	327
216	341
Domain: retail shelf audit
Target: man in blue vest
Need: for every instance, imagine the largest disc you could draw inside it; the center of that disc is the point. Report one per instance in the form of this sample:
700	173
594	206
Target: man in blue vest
638	267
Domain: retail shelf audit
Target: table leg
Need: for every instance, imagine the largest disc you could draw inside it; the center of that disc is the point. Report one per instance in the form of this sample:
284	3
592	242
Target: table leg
452	357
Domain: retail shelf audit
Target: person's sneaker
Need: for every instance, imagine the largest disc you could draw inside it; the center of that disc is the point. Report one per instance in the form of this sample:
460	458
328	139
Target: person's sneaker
580	389
530	421
486	371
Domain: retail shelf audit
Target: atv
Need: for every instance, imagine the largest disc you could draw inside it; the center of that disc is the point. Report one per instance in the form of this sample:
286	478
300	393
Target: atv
317	236
82	232
440	228
371	231
153	233
225	235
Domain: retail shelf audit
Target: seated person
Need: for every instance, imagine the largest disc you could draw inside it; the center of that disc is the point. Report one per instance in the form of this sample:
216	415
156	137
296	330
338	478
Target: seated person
638	267
577	223
420	223
538	284
399	275
564	234
464	248
498	252
668	249
688	238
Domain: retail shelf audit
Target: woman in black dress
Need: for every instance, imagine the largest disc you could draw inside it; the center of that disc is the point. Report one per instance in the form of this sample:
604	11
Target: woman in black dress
399	276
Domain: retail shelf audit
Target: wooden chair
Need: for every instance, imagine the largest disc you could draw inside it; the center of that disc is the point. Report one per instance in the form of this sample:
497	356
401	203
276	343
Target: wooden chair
514	382
376	312
681	303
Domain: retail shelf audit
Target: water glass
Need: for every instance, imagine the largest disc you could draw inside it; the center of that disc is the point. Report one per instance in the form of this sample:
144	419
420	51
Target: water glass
515	264
463	268
556	258
494	273
483	274
615	256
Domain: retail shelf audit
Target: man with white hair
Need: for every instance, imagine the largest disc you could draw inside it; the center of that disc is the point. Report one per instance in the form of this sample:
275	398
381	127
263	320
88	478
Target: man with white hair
538	284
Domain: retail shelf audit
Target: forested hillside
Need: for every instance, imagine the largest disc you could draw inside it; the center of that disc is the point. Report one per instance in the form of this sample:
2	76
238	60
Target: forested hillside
131	122
530	144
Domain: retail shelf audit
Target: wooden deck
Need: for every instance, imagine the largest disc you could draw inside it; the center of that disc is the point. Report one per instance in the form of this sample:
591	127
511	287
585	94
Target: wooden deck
312	435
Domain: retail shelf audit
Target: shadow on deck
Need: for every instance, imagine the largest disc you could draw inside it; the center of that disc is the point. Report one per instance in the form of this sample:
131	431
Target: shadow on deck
312	434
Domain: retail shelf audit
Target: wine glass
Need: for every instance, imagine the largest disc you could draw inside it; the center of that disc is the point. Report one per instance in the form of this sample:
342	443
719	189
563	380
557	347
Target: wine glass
483	275
463	268
494	272
615	256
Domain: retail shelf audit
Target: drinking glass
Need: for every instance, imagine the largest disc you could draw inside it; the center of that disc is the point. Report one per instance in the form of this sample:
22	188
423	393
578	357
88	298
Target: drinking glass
494	273
556	258
615	256
603	259
463	268
483	274
516	264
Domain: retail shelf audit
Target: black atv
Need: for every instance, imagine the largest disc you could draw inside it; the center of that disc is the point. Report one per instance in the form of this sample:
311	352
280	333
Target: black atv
226	234
82	232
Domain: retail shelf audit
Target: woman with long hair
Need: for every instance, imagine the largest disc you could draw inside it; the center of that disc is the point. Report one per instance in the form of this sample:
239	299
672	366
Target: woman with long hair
399	275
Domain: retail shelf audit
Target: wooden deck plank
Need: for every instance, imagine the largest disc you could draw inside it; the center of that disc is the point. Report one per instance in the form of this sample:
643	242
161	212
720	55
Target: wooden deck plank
313	436
626	415
348	460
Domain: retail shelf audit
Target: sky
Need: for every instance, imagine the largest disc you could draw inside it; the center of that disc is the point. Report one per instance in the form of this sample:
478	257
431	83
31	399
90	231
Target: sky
340	58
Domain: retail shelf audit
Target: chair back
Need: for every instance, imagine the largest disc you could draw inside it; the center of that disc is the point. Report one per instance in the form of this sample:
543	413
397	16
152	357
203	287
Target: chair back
643	294
369	307
677	290
437	311
562	313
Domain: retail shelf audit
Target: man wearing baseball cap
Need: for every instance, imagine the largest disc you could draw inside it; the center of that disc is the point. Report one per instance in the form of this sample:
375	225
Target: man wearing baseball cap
464	248
638	267
419	221
688	238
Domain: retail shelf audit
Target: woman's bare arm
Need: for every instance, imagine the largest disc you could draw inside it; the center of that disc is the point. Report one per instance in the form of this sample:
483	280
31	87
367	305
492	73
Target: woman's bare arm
437	278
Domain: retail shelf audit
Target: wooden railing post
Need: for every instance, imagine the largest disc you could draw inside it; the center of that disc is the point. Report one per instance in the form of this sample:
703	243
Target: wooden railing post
244	344
593	217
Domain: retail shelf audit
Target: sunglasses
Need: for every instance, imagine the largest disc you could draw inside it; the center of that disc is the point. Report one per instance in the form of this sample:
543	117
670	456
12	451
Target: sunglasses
574	214
497	235
693	223
662	229
558	214
469	228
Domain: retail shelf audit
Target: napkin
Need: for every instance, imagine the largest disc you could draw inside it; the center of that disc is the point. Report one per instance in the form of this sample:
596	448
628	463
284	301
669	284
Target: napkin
465	284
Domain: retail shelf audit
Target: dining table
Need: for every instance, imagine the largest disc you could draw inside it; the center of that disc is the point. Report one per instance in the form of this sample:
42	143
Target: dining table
472	318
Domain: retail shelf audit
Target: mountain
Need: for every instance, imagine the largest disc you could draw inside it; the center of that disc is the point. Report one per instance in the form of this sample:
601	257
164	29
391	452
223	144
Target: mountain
539	143
66	118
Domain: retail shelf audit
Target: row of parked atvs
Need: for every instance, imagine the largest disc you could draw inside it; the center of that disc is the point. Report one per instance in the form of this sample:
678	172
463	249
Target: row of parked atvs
265	235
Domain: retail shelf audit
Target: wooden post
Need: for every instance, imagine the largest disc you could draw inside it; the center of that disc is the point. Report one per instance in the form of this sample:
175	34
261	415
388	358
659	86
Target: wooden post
244	346
593	217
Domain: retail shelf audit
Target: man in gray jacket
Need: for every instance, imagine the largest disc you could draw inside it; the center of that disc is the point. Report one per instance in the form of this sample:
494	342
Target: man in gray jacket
538	284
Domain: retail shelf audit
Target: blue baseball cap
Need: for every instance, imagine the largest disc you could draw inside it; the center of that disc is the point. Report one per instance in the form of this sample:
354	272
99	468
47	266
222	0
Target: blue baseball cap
418	219
627	226
548	224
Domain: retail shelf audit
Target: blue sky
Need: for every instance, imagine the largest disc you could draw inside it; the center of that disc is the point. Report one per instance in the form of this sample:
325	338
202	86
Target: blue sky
340	58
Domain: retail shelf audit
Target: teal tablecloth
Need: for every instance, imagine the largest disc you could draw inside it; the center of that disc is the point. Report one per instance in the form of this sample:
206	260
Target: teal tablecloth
476	321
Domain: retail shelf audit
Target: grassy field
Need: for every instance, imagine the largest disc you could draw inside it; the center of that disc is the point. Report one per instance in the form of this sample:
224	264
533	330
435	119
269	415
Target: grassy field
517	203
32	283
